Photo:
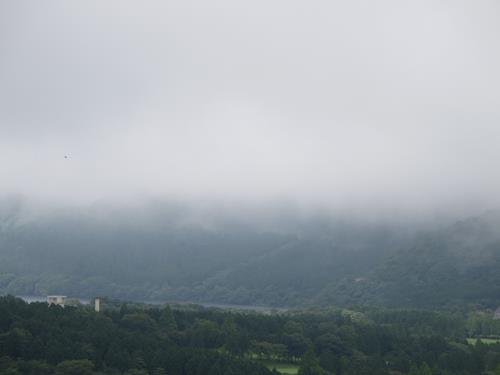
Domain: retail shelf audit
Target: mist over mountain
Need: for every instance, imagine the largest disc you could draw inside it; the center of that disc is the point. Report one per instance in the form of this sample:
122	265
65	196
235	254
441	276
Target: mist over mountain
277	255
257	153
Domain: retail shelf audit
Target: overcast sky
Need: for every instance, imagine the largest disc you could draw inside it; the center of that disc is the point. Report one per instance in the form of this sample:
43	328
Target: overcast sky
379	102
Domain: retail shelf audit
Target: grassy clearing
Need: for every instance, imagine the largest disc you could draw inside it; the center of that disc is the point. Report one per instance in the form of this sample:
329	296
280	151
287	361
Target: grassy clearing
282	367
487	341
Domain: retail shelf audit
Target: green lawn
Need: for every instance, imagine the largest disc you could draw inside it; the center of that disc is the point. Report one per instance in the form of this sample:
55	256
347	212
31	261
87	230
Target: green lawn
282	367
483	340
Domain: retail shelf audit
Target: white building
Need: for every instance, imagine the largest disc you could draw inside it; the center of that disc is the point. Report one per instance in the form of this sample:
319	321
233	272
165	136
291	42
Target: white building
56	300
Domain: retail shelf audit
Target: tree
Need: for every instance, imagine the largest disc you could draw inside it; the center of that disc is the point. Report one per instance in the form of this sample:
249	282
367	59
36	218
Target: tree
159	371
310	364
423	369
296	345
75	367
235	342
138	321
205	334
167	320
136	372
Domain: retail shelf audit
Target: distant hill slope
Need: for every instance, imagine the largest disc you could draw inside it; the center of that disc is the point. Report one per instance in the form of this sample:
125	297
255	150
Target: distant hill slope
163	252
457	265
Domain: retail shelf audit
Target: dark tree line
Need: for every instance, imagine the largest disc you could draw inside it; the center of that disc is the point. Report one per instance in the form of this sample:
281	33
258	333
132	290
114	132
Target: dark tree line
37	339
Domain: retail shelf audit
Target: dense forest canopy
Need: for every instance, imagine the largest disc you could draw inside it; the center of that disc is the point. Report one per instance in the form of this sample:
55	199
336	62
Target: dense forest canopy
37	339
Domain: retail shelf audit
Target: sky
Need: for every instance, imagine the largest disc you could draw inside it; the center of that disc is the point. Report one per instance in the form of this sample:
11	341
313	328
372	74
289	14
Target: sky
388	103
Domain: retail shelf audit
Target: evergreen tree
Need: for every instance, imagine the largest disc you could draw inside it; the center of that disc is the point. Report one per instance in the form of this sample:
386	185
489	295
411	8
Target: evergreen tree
310	364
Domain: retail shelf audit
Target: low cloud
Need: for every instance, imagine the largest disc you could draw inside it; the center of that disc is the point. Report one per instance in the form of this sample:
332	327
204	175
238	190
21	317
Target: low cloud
390	104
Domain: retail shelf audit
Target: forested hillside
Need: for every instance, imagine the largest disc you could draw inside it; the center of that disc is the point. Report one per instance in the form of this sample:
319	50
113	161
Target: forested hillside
164	251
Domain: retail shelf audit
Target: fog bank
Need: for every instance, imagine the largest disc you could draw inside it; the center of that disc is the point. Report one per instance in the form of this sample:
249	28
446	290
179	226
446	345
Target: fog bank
361	106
